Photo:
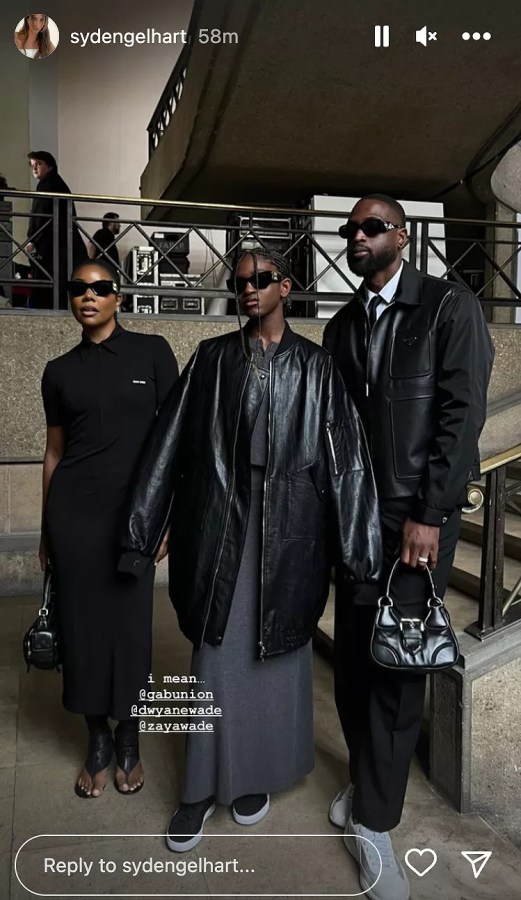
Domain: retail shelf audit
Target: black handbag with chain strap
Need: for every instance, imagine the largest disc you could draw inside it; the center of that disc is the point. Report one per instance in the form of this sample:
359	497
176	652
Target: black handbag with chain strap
413	644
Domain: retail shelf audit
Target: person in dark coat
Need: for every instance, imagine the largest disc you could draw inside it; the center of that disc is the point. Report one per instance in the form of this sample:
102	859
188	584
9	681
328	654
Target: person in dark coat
101	400
41	229
417	355
102	245
258	463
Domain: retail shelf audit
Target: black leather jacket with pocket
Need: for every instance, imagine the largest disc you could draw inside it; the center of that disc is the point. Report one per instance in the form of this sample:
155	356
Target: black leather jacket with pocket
319	492
419	381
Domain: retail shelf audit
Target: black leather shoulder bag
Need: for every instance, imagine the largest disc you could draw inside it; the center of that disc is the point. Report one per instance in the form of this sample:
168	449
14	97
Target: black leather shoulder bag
41	645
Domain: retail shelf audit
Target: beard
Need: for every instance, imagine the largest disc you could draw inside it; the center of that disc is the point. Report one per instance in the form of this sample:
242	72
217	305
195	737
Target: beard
374	262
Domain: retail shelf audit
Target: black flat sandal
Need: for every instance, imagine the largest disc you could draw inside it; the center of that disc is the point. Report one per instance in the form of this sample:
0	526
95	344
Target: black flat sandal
99	755
127	756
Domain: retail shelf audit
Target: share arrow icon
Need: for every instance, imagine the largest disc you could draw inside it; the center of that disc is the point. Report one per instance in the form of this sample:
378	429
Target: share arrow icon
477	859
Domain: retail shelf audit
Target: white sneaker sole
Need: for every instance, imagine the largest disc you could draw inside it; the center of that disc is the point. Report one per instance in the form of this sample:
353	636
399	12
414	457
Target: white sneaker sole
340	810
183	846
351	843
256	817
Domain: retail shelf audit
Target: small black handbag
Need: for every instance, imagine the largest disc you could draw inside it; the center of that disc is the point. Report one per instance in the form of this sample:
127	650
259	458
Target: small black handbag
41	645
413	645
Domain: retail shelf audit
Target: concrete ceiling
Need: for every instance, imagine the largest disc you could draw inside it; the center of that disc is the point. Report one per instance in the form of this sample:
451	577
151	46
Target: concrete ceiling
305	103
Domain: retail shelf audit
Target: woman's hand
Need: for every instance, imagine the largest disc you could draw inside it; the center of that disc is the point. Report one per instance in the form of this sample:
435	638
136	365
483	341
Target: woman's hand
43	555
163	550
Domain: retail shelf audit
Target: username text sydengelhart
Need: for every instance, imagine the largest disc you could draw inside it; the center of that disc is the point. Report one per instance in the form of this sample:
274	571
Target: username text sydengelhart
152	36
128	38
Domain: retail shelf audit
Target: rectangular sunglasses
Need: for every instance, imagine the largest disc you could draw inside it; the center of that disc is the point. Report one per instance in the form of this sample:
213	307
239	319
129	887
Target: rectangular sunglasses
370	227
260	281
102	288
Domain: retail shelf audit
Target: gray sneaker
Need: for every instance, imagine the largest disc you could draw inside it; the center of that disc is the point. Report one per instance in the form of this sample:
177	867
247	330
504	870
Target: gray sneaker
381	873
340	809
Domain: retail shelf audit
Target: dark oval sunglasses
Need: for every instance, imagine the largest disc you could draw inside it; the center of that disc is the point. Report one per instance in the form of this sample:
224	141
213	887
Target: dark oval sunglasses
102	288
259	281
371	227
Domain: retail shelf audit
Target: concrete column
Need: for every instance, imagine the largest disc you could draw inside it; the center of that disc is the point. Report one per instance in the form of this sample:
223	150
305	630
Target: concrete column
502	252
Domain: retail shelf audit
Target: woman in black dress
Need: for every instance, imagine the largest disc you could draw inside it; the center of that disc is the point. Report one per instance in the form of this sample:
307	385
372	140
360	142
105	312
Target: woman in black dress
100	400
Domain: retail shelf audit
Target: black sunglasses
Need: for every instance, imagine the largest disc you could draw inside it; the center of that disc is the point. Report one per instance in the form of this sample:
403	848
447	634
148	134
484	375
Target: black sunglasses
102	288
370	227
259	281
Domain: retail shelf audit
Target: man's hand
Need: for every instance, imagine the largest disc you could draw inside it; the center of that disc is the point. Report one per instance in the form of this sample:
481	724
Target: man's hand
163	550
420	544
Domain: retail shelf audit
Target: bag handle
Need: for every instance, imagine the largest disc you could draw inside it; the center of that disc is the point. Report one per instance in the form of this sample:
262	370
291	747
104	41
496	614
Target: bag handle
427	571
46	594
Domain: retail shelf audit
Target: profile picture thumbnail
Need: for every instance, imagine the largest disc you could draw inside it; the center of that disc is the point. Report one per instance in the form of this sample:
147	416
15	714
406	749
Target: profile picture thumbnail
36	36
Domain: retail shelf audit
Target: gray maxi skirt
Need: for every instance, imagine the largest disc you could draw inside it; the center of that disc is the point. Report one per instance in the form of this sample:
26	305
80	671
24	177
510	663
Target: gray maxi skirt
264	741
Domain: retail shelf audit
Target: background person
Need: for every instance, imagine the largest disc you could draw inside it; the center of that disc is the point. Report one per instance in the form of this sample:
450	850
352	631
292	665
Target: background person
102	245
100	399
417	354
268	468
34	39
40	231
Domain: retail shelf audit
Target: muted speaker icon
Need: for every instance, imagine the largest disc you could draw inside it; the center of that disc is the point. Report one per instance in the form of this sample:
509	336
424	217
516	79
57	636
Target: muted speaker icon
423	35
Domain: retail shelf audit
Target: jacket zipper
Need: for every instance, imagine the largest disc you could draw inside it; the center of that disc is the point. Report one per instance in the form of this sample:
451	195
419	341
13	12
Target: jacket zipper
228	508
332	446
262	648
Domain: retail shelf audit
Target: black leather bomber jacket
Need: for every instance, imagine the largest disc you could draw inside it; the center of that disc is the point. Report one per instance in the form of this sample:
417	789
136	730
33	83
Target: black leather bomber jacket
319	492
419	382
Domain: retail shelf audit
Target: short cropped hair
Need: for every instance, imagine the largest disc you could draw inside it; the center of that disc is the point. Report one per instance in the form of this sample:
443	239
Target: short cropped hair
396	207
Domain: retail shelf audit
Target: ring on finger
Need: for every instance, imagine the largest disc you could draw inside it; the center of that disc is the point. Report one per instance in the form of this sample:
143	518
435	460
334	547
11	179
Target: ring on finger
423	559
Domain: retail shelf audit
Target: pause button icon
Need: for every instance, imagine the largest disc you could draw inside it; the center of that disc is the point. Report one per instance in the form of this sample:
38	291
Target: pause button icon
381	35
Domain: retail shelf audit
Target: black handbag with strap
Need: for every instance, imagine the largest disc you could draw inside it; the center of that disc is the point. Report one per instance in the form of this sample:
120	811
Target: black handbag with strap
41	644
413	644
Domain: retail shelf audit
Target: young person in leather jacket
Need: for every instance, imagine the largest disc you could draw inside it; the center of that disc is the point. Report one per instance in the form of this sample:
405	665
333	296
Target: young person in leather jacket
258	464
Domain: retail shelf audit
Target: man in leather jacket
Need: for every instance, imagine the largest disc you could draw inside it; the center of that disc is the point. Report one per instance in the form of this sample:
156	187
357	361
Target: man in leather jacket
416	356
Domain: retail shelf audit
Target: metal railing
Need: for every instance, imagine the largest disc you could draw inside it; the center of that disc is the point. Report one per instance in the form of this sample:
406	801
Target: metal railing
169	99
465	251
498	608
171	95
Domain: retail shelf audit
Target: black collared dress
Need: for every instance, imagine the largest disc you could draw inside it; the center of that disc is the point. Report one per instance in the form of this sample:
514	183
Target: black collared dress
105	396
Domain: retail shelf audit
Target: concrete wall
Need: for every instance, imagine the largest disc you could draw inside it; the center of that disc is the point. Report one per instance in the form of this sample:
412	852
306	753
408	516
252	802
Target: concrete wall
27	341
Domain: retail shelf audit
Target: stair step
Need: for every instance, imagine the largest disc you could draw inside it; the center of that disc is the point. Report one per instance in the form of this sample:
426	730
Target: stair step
465	574
514	471
472	531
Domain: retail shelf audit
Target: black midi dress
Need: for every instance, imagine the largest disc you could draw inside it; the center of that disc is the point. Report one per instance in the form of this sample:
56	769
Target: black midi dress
105	397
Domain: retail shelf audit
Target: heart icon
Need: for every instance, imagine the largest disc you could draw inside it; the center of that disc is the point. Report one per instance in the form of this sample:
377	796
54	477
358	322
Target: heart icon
422	871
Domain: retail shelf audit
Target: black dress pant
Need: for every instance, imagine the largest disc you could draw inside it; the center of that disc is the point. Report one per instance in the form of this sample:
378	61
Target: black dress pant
380	710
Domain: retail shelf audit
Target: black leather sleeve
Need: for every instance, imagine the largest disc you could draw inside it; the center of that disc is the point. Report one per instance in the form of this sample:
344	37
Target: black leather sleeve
465	354
352	489
152	496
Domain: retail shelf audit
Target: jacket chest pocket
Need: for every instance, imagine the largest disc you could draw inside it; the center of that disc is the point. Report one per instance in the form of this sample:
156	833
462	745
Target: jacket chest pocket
411	353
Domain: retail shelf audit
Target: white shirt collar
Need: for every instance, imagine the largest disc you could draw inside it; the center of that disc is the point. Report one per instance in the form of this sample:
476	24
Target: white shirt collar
389	289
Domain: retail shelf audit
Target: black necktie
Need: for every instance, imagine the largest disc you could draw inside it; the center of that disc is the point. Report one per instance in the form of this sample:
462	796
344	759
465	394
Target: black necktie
371	311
